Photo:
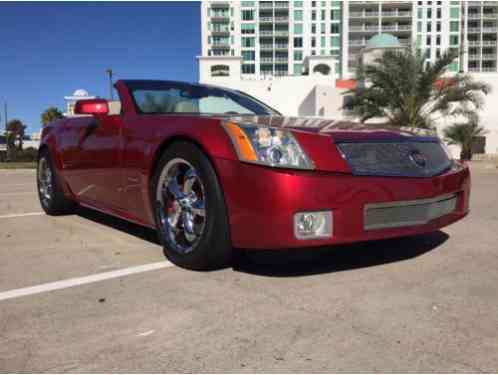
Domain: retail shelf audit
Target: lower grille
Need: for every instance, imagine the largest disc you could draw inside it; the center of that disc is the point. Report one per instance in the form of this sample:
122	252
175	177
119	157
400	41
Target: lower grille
406	213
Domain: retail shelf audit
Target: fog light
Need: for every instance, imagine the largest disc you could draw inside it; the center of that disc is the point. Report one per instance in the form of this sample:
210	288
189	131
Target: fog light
309	225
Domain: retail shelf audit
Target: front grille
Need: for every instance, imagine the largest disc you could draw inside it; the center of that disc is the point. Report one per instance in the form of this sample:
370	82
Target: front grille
401	214
409	159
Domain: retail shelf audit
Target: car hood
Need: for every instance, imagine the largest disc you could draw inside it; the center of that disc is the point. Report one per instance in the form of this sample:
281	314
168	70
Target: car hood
339	130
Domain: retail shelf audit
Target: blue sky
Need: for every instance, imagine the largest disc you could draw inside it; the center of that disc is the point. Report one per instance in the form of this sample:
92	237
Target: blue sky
48	50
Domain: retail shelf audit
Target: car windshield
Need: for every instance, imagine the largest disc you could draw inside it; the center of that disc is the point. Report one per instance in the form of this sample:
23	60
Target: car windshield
193	99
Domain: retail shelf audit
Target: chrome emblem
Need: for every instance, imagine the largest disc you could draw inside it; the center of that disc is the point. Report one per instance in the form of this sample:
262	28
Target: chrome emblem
418	158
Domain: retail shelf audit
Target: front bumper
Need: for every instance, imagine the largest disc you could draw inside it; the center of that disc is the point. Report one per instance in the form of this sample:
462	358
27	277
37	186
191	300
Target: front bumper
262	202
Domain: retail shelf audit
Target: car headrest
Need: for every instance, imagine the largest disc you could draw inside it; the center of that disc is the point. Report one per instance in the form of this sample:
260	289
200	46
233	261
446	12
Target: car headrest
114	107
185	106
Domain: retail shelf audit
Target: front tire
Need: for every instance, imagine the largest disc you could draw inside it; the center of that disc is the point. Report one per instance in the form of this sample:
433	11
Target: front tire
50	192
190	212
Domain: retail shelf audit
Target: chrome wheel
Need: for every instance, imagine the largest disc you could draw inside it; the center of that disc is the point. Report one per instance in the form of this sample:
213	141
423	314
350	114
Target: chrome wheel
181	208
45	187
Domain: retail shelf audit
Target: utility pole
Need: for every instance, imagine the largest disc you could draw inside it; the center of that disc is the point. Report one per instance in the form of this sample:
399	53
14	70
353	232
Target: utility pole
5	115
111	95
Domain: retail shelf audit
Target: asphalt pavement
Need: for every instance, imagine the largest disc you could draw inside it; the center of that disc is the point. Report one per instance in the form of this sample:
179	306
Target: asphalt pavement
91	293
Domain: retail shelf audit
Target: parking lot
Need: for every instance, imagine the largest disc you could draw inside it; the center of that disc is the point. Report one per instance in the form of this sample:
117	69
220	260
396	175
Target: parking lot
90	293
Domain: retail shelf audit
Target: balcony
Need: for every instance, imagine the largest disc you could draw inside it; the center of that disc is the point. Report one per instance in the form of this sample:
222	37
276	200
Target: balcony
281	5
474	16
266	5
266	46
489	15
281	59
474	43
489	57
389	28
489	29
220	18
220	4
474	57
362	29
266	59
489	43
474	30
281	46
281	33
404	28
489	69
281	19
265	32
266	19
220	45
220	33
396	13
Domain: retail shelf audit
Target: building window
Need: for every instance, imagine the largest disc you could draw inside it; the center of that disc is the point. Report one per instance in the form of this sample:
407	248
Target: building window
298	42
335	41
313	42
454	12
248	15
248	55
322	28
322	42
298	15
313	28
323	69
247	28
220	71
313	15
419	27
323	14
298	4
247	4
248	68
454	26
298	55
335	14
298	69
335	28
429	27
298	28
453	40
248	42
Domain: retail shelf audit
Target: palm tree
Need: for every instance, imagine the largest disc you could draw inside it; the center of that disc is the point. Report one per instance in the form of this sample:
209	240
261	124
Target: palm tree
50	114
464	135
14	132
402	88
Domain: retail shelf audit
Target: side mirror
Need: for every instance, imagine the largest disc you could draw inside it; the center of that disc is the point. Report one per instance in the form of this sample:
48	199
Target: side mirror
93	107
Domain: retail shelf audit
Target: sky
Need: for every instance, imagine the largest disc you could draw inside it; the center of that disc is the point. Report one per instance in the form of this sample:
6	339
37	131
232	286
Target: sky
48	50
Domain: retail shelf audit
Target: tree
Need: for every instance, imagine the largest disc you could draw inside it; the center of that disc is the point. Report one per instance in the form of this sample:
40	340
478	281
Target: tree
50	114
15	132
402	88
464	135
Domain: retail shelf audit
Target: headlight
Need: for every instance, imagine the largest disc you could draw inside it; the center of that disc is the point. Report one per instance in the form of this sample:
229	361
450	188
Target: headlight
269	146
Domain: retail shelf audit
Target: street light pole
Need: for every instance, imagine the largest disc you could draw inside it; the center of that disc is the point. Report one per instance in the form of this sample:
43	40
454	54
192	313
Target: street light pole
111	95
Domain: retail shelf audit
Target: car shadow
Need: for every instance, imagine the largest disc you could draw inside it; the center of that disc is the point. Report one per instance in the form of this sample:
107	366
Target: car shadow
312	261
304	261
136	230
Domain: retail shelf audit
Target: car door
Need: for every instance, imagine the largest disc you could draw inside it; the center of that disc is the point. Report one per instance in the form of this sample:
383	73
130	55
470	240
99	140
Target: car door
91	155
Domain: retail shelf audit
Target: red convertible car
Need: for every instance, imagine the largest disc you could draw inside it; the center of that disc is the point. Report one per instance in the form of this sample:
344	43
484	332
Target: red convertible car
211	169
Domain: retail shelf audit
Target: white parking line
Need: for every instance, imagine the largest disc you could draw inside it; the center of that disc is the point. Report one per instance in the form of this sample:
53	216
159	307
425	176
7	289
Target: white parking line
21	215
63	284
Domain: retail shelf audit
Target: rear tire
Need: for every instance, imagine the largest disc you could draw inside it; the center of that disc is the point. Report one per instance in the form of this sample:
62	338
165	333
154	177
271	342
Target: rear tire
50	192
189	206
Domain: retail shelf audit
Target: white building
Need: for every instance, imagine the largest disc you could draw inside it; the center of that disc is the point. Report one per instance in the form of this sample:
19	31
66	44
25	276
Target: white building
71	100
300	56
